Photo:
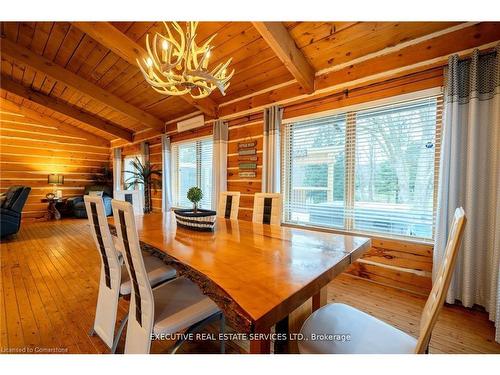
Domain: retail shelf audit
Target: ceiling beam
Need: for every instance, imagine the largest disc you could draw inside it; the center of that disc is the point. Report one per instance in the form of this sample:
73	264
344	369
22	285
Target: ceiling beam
63	108
70	79
112	38
277	37
31	115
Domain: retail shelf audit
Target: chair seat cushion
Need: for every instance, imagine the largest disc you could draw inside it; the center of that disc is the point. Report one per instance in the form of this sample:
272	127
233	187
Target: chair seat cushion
158	272
367	334
179	304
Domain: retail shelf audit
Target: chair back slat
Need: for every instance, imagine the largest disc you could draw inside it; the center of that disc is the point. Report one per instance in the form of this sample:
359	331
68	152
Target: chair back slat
267	208
442	281
110	279
141	310
229	204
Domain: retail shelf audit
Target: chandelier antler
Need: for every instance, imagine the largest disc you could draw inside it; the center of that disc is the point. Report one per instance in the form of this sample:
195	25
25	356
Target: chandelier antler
181	66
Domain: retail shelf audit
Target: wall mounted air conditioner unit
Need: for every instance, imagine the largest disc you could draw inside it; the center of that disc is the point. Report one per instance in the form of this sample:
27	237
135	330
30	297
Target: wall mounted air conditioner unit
192	123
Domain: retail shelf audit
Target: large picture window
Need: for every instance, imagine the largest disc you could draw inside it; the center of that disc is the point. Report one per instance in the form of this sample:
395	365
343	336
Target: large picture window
372	170
192	166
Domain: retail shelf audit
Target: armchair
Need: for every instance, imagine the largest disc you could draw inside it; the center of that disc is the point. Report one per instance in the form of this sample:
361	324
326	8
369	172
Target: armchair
77	204
10	211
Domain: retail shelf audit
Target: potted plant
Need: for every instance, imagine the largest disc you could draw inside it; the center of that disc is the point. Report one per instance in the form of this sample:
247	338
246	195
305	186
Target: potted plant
195	218
147	175
104	177
195	195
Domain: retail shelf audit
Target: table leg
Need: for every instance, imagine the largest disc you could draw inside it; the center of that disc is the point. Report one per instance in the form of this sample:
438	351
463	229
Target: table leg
261	346
282	327
319	299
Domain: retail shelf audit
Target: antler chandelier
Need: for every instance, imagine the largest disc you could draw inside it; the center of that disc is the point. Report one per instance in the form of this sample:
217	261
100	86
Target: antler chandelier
177	65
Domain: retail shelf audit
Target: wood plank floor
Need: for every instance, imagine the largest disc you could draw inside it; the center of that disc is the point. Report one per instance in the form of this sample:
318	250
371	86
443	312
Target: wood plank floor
49	289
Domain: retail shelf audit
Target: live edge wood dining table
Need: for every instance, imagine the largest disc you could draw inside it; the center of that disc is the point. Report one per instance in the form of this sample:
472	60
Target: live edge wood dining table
259	275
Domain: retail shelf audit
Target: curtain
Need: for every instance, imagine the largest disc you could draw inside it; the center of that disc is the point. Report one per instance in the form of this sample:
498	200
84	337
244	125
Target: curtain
470	177
144	157
219	170
166	184
117	169
271	150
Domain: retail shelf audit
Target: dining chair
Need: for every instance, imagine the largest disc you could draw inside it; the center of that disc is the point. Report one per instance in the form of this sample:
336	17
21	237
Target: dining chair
178	305
229	204
370	335
114	280
132	196
267	208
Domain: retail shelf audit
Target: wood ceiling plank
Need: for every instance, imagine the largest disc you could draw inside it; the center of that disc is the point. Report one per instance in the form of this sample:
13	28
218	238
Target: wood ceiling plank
63	108
280	41
279	76
26	32
306	33
418	57
6	66
374	42
10	30
41	36
126	48
72	80
443	45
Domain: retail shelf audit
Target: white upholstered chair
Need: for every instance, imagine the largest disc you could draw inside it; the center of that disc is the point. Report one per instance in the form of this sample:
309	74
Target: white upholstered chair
229	204
267	208
370	335
172	307
114	280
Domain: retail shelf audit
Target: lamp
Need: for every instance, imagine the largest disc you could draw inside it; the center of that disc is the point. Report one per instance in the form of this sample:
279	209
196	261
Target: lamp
56	179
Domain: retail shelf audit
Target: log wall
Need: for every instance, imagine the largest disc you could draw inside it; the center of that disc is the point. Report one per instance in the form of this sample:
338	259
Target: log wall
31	149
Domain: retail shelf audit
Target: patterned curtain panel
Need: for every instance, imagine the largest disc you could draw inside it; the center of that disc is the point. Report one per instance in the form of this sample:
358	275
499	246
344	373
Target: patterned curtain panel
219	167
166	184
117	169
470	177
271	152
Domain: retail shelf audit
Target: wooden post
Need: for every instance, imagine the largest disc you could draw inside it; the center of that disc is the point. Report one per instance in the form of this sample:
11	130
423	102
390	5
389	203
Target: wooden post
319	299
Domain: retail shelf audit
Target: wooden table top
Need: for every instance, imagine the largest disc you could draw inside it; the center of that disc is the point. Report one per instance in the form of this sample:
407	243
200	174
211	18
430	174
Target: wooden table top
256	273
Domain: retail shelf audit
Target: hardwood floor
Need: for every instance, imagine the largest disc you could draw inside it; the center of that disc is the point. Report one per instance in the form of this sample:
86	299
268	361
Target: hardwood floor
49	288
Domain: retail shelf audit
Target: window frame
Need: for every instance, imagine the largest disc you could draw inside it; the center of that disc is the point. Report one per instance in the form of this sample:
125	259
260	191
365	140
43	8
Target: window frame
350	160
139	187
174	181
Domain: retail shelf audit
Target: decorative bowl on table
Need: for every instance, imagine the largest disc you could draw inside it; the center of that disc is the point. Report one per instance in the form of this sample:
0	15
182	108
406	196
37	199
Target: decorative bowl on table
201	220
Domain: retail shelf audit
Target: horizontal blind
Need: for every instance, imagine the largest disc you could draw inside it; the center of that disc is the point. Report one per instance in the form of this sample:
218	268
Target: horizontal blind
192	166
373	170
205	158
395	168
314	153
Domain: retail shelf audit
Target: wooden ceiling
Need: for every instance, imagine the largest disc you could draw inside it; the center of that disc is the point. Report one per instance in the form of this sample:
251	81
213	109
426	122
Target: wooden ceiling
83	74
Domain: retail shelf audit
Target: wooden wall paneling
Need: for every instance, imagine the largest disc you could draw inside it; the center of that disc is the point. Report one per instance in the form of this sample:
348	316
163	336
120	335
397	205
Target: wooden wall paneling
31	117
65	109
251	128
33	149
391	87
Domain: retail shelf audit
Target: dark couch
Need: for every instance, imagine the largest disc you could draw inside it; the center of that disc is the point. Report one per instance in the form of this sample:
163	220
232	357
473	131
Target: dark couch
77	204
10	211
